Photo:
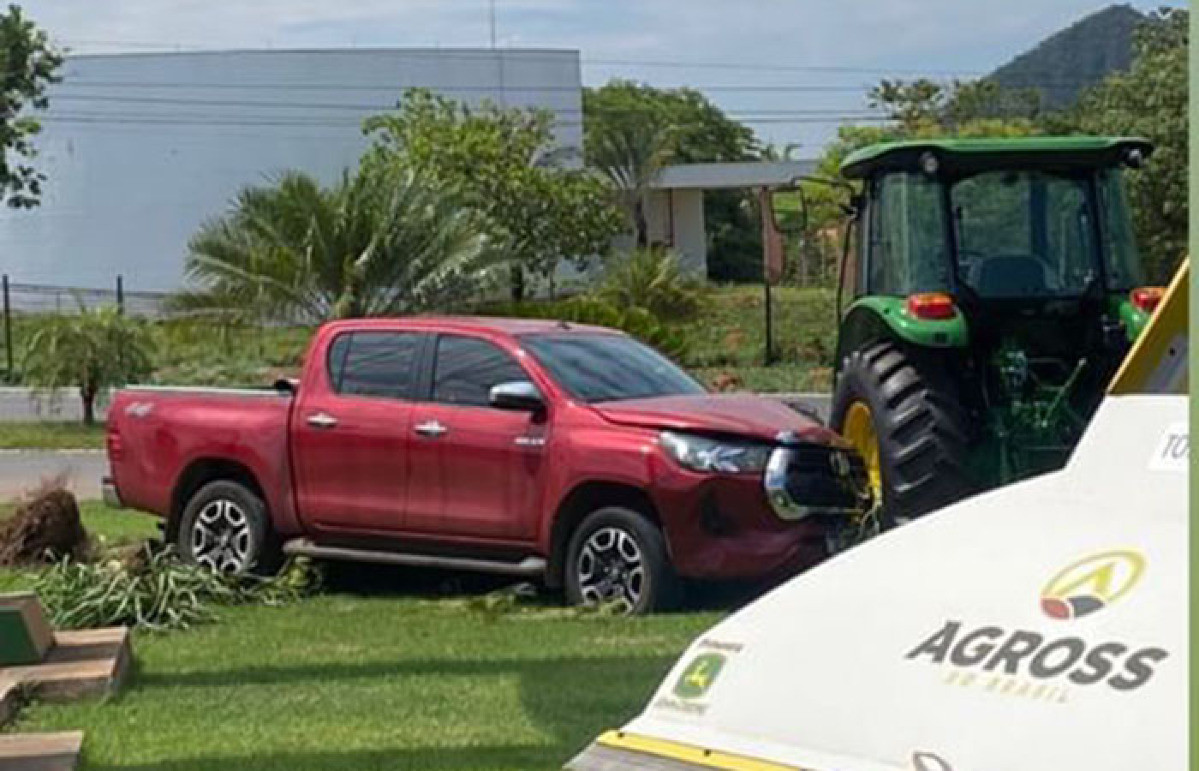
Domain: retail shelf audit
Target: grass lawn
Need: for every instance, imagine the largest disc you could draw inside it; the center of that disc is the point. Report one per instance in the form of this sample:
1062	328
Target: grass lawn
50	436
376	673
730	330
364	682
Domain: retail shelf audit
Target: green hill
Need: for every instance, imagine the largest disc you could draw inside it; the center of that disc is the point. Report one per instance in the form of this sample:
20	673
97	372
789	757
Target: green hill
1084	53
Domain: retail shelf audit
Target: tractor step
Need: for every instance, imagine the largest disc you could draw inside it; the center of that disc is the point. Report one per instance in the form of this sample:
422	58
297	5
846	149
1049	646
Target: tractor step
528	567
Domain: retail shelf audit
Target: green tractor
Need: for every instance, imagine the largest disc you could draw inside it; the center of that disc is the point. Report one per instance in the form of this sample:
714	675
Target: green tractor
988	291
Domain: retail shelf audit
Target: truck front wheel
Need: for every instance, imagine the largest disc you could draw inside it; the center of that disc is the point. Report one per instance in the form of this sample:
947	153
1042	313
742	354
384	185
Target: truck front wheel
617	556
225	527
905	418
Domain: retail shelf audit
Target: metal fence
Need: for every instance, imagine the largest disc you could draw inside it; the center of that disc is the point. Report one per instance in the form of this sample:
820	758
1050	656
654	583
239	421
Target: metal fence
42	298
17	299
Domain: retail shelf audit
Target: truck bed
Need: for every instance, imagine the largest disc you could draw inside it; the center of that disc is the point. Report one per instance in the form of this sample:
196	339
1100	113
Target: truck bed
157	434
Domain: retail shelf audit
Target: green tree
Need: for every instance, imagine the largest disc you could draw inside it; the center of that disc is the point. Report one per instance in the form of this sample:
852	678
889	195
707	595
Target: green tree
925	108
631	155
94	350
379	242
694	131
502	163
28	64
1150	100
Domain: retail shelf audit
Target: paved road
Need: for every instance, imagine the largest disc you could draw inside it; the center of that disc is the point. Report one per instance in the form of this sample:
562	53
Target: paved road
20	470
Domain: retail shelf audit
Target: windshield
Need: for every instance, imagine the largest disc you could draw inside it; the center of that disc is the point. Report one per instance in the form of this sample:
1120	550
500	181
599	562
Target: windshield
1024	233
1124	269
605	368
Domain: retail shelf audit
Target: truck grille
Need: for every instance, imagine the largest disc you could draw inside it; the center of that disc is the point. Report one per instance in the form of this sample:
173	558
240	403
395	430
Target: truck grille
803	480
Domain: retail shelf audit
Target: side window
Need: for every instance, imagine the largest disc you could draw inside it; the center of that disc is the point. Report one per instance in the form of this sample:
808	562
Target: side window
907	236
379	364
466	369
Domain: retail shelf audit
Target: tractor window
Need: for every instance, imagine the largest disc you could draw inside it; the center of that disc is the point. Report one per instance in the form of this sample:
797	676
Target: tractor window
1124	270
907	236
1024	234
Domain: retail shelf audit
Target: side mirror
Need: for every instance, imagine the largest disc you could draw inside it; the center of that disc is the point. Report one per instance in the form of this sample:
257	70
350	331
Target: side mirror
516	395
789	210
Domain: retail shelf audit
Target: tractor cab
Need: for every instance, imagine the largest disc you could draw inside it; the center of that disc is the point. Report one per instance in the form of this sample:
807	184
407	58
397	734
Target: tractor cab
988	291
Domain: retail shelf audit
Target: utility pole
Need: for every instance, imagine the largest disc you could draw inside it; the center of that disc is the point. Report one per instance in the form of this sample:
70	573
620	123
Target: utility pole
493	37
7	329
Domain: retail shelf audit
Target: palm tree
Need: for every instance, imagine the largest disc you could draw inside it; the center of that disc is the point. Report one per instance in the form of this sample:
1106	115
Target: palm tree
92	350
379	242
787	152
631	155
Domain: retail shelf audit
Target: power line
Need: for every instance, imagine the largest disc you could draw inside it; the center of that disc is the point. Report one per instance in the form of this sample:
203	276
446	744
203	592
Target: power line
167	48
764	67
393	87
286	105
296	122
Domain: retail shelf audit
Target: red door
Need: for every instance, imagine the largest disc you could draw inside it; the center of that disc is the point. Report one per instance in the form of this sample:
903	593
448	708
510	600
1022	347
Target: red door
474	470
350	434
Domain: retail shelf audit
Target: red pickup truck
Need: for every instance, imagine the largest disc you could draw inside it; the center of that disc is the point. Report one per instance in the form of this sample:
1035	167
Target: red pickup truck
561	452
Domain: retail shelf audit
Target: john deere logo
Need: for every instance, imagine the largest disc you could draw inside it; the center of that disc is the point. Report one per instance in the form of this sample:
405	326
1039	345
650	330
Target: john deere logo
1091	584
698	677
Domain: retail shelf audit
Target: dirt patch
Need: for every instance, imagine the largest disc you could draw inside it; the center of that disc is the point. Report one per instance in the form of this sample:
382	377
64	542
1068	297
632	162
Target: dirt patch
45	526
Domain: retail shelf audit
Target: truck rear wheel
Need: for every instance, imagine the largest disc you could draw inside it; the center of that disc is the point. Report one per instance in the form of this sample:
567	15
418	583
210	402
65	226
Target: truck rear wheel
904	417
225	527
618	556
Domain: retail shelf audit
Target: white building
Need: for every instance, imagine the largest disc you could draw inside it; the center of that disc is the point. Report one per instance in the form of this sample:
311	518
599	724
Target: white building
675	209
141	149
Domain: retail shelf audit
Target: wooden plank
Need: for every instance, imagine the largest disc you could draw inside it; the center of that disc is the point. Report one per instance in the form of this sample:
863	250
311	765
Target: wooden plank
41	752
81	664
10	700
25	636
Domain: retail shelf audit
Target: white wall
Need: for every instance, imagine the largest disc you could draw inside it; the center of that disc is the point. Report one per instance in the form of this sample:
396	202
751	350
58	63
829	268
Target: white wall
140	149
676	218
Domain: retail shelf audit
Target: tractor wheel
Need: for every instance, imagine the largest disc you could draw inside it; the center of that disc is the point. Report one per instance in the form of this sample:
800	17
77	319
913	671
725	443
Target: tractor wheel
904	416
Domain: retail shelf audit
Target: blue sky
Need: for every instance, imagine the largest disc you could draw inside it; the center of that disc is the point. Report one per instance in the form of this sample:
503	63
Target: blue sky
839	46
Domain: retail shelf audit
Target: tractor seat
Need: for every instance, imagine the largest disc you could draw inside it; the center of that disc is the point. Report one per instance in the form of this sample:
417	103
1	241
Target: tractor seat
1010	275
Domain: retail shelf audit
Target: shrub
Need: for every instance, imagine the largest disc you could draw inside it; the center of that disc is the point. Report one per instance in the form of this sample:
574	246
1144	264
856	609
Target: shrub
156	591
653	280
588	309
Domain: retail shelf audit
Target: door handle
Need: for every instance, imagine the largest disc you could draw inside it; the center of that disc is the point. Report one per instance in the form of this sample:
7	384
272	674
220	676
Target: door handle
322	420
431	428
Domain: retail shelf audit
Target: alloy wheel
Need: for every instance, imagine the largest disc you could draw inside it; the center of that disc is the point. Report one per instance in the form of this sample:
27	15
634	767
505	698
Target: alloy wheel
221	538
611	569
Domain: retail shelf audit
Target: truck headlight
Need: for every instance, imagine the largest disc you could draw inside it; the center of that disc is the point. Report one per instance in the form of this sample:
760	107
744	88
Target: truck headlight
700	453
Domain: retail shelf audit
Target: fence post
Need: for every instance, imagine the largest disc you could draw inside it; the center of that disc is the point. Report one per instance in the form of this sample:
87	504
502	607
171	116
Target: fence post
7	330
120	294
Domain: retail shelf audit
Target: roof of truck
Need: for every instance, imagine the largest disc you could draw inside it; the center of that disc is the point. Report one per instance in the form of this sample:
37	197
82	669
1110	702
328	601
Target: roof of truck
1088	150
507	326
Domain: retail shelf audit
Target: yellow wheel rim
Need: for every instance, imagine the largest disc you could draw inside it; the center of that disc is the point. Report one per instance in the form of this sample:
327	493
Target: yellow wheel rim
859	431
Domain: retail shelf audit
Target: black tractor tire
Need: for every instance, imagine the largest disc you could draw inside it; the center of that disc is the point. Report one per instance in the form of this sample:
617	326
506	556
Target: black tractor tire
236	513
923	431
658	587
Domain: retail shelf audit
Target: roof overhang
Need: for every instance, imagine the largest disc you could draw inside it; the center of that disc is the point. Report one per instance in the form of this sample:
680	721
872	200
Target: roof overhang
724	176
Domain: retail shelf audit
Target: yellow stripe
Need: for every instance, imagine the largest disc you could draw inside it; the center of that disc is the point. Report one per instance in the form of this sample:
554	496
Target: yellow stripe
686	753
1149	352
